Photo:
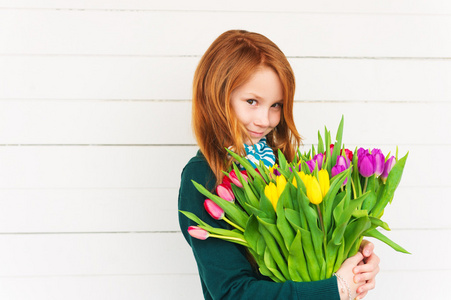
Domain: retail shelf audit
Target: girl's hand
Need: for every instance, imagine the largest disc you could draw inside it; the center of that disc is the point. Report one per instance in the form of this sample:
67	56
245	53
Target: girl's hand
346	273
366	271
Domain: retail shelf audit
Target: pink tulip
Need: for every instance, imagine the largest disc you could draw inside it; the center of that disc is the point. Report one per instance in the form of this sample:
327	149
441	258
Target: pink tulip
379	160
198	233
387	168
213	209
235	180
225	193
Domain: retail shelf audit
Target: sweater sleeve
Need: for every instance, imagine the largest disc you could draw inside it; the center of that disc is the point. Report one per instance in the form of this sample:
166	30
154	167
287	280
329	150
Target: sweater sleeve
224	270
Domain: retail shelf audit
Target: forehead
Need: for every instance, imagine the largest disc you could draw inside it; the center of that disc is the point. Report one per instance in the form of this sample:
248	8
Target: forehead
263	83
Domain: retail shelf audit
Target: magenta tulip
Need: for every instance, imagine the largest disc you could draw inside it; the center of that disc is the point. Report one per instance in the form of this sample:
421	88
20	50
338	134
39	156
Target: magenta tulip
387	168
337	169
379	160
198	233
365	162
215	211
225	193
341	165
311	165
318	158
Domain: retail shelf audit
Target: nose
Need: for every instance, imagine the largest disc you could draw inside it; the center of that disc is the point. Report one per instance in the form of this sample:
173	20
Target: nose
262	118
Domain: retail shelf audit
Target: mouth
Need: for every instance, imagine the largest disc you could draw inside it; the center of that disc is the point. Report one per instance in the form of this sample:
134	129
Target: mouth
255	133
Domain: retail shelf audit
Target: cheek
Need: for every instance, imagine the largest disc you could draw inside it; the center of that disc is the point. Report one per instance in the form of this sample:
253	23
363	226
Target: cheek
275	119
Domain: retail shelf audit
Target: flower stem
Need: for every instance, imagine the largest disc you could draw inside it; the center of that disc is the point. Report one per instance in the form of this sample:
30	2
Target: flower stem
229	238
366	183
233	224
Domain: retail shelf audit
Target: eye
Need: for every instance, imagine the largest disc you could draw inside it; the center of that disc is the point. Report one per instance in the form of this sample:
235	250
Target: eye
251	101
277	105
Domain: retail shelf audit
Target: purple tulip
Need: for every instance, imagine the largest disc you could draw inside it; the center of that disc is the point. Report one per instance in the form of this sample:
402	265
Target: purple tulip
387	168
342	164
318	158
215	211
311	165
337	169
365	163
198	233
379	160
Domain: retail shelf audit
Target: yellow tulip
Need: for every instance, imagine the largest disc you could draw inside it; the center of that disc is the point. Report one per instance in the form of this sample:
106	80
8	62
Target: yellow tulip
271	193
281	182
324	181
314	190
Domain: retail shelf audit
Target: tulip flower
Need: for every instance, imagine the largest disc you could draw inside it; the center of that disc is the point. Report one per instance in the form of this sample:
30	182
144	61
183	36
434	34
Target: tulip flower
348	153
379	160
198	233
324	181
342	164
235	180
271	193
302	176
311	165
215	211
365	163
318	158
314	190
273	170
387	168
225	193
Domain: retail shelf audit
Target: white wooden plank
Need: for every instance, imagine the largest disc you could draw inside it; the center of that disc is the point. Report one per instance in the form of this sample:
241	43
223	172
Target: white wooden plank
134	32
88	210
322	6
155	210
168	253
152	167
394	285
93	167
389	285
170	78
137	287
169	122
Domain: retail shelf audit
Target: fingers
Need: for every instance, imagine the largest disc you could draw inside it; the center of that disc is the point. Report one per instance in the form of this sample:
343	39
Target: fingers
366	247
372	263
363	289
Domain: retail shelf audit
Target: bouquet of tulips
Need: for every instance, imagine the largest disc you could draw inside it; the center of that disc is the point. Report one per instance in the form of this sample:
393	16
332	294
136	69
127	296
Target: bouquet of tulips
300	220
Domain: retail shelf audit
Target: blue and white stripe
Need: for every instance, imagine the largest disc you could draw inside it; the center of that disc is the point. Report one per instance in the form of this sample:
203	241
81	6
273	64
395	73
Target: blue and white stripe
260	151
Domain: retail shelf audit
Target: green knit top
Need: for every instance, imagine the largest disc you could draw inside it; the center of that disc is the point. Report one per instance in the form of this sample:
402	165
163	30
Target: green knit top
225	272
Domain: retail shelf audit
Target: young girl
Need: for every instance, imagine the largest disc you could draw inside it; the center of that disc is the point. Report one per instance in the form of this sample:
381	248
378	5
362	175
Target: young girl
243	96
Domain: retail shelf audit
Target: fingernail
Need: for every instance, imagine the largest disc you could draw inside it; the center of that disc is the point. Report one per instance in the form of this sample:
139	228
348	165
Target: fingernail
367	252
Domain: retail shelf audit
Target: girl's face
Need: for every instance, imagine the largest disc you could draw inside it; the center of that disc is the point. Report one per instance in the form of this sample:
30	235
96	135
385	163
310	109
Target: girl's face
258	103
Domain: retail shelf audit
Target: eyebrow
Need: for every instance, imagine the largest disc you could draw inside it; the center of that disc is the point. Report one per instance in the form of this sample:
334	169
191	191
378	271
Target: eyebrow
257	97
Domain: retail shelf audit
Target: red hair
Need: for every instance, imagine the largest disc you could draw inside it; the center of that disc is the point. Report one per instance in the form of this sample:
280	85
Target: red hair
227	64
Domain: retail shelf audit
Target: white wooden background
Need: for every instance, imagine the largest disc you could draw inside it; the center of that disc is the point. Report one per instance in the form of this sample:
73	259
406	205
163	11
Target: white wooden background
95	129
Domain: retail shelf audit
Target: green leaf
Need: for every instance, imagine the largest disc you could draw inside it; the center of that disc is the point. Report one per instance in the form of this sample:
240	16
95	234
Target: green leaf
353	232
274	253
320	143
378	235
392	183
272	266
297	265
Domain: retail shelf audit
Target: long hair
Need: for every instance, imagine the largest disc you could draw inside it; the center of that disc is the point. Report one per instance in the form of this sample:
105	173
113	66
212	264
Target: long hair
228	63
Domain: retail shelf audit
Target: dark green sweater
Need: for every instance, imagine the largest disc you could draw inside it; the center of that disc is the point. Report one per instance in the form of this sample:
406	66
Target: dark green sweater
224	271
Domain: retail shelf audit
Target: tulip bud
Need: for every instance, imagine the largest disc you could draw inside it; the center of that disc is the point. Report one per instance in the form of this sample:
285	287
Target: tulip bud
215	211
365	162
324	181
318	158
225	193
235	180
314	191
198	233
387	168
379	160
311	165
271	194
